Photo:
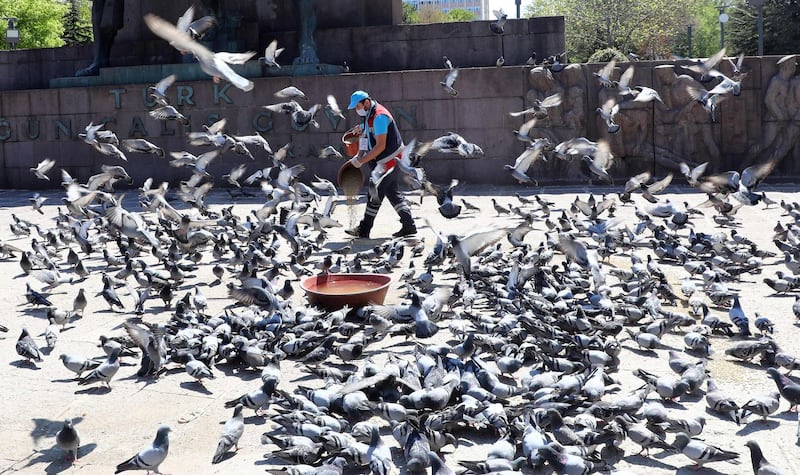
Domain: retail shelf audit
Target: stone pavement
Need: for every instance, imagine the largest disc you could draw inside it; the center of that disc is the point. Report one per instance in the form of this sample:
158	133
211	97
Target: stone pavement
115	424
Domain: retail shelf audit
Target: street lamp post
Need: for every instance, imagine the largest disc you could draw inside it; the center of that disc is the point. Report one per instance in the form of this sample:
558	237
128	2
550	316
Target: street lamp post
723	18
12	33
518	4
759	4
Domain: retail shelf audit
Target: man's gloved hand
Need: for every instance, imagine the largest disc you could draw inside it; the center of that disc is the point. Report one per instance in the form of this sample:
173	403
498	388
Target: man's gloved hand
354	161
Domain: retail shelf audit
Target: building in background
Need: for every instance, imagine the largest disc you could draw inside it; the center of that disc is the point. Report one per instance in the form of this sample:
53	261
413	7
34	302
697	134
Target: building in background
479	7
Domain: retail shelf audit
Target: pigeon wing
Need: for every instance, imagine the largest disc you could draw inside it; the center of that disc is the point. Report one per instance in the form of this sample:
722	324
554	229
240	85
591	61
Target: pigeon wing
478	241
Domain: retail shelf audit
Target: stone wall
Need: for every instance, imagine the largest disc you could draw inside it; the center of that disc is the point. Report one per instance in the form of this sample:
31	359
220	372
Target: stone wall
762	122
364	48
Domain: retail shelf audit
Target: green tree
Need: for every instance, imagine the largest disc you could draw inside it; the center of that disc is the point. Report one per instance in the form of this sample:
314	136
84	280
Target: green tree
704	19
39	22
646	27
77	25
781	30
459	14
410	13
429	14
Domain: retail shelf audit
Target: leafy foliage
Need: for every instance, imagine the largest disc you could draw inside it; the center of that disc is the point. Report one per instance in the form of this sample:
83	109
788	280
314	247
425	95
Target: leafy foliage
781	30
704	19
607	54
77	24
648	28
429	14
459	14
410	13
40	22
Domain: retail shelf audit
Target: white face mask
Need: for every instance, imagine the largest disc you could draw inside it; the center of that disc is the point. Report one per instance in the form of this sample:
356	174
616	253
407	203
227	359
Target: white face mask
362	112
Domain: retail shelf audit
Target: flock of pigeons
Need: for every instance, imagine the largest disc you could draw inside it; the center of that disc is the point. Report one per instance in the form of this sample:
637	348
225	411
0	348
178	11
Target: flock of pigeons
517	342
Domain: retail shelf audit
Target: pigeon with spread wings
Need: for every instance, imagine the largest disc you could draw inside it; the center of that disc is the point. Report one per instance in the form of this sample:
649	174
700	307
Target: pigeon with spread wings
216	65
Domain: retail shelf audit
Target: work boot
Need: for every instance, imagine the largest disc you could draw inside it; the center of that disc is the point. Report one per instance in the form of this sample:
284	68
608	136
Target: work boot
407	230
360	231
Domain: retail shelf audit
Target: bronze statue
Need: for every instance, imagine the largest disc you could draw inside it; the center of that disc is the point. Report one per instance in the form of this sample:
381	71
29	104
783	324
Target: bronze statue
308	25
107	19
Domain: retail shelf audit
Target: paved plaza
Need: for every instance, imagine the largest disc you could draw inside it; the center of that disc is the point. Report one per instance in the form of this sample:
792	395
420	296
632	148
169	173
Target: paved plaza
115	424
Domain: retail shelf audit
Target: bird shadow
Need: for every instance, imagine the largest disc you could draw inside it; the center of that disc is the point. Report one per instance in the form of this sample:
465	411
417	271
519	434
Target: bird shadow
35	312
255	420
196	387
690	469
780	294
305	377
673	404
648	462
746	364
27	364
239	371
94	390
643	352
719	415
65	380
758	425
786	415
227	455
47	428
46	350
61	461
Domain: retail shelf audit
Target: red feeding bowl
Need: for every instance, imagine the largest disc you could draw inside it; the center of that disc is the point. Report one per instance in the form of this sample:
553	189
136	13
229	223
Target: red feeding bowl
350	141
334	291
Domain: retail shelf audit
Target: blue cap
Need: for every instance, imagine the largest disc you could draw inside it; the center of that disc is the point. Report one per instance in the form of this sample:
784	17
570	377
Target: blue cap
357	97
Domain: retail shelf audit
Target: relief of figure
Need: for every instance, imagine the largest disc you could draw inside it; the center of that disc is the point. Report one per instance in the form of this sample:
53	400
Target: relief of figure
634	121
686	130
778	134
574	82
543	85
564	122
794	105
107	20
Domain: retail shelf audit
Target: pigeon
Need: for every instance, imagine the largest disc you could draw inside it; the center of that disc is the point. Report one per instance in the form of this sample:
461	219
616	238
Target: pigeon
704	68
564	462
231	434
271	54
702	453
449	80
788	388
527	158
168	113
498	26
214	64
142	146
607	112
291	93
27	348
763	405
69	440
761	465
739	318
195	28
466	247
159	92
151	457
646	94
693	174
78	365
197	369
104	372
605	73
41	169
